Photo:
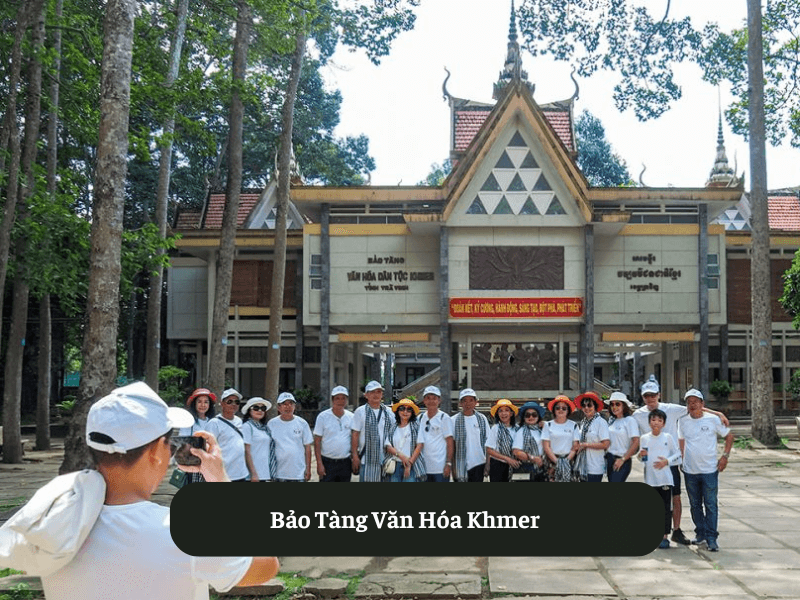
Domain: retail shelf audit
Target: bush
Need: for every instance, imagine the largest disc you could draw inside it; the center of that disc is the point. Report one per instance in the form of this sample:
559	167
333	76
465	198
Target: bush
170	380
721	389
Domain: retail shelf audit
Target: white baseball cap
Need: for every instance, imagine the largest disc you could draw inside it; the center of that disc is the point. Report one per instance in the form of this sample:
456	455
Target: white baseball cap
286	396
132	416
340	389
256	400
467	392
432	389
230	392
650	386
694	393
372	385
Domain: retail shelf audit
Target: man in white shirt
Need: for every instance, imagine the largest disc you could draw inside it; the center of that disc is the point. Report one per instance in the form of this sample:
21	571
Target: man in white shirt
292	440
698	440
470	430
332	437
436	433
113	542
226	428
370	428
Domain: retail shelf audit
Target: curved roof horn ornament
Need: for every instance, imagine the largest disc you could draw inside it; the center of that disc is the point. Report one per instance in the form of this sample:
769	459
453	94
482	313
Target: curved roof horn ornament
577	92
445	94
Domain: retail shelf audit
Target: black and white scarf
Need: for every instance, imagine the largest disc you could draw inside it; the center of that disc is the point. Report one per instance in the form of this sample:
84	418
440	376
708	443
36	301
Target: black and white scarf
273	458
505	439
580	460
530	446
418	467
373	451
460	440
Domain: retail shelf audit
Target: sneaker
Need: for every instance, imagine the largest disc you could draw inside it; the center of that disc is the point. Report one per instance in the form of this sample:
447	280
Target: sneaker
698	541
713	546
664	545
679	538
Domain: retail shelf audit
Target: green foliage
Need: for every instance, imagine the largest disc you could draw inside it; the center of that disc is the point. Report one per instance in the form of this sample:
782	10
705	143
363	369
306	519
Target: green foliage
790	300
8	504
21	591
793	387
438	174
720	388
596	158
307	397
66	406
744	442
169	384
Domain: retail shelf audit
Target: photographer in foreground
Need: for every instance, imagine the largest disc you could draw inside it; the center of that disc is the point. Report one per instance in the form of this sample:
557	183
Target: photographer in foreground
95	534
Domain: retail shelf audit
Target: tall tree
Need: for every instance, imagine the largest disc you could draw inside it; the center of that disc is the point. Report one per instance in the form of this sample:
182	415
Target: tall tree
644	50
100	340
596	158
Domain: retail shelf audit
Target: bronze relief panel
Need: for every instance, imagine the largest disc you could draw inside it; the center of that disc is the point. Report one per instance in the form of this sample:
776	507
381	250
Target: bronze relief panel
516	268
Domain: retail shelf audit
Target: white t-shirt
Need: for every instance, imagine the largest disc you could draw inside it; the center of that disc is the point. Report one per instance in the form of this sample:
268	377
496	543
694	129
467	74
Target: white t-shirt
199	425
335	433
476	452
130	555
658	447
291	438
401	440
434	433
259	441
231	444
700	443
561	436
491	437
359	420
621	432
519	439
595	458
673	412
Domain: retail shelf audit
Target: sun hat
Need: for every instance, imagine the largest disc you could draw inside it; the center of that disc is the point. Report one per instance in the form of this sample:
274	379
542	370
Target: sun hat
372	386
598	402
501	403
560	398
286	396
201	392
693	393
650	386
230	392
432	389
256	400
620	397
339	389
531	405
467	392
132	416
405	402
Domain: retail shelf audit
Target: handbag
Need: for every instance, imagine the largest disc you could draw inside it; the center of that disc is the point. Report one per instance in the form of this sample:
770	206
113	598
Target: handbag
389	465
179	478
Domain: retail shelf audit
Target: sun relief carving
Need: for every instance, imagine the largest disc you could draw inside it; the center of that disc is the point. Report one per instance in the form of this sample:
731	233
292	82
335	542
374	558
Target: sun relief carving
516	268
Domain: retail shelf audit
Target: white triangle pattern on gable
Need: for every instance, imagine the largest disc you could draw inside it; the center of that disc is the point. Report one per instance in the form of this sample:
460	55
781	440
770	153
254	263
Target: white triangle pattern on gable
516	186
263	214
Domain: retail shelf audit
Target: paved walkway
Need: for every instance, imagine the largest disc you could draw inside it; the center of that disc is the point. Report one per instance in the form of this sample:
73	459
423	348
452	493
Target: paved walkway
759	557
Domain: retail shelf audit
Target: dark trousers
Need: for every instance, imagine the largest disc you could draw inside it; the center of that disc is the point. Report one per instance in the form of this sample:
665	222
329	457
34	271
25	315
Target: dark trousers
475	474
337	469
499	471
665	491
617	476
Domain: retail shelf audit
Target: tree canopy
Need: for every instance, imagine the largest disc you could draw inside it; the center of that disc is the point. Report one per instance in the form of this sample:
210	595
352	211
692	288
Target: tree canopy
596	158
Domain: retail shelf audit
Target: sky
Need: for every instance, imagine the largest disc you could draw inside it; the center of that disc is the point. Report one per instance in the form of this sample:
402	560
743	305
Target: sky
399	104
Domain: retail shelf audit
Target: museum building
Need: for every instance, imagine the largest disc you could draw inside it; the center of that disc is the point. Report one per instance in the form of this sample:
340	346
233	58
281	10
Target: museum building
514	277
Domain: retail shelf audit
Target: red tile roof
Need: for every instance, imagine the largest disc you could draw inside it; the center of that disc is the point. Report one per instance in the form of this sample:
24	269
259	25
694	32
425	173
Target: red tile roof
216	206
784	213
469	121
188	219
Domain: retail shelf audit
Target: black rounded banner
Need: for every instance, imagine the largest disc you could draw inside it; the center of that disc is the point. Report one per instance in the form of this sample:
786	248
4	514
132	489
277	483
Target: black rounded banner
538	519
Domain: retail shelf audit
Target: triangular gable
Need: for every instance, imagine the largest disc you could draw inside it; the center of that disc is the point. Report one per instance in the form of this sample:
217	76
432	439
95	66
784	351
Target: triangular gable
263	214
517	157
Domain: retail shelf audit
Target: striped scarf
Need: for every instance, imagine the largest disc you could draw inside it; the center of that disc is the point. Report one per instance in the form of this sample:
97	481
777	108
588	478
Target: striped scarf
373	452
273	459
418	468
505	440
580	460
460	439
530	446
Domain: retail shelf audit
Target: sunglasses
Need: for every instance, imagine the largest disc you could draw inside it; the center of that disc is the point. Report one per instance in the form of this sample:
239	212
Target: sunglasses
587	403
561	407
230	402
405	408
528	415
259	407
615	403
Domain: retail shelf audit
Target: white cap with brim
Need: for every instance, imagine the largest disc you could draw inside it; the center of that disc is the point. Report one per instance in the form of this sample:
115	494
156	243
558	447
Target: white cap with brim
286	397
230	392
432	389
467	392
339	389
132	416
693	393
650	386
372	386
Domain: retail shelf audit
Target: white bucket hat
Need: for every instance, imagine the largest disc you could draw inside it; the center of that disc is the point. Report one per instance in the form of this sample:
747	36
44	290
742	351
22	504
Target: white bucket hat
253	401
132	416
620	397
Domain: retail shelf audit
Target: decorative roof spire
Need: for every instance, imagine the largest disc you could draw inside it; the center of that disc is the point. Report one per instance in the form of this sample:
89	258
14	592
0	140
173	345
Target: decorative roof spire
512	69
721	175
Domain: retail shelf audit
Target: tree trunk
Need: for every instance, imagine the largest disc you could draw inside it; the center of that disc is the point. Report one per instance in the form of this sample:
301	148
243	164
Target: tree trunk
222	294
12	393
153	353
99	352
15	70
45	377
281	208
763	414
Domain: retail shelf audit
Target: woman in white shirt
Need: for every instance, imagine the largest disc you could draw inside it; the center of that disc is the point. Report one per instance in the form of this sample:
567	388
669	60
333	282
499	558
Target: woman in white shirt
560	438
500	441
257	440
624	432
401	444
528	448
594	441
201	405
